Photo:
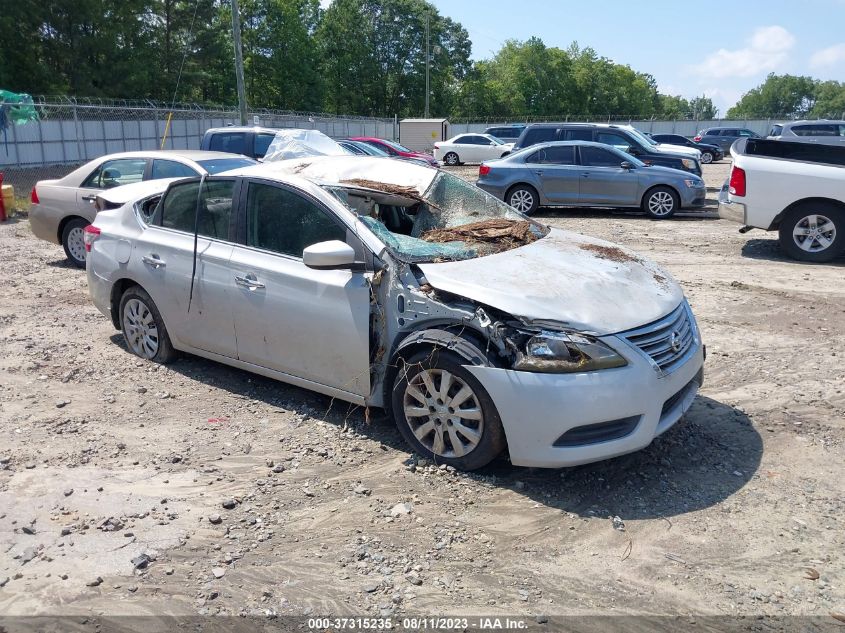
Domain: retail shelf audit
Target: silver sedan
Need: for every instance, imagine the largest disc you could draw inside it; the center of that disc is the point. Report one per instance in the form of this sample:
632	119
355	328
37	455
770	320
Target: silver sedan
586	174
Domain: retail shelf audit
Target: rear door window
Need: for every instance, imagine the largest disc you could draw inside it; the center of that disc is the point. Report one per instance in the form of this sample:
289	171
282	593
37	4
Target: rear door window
171	169
578	134
286	222
179	207
562	155
539	135
232	142
114	173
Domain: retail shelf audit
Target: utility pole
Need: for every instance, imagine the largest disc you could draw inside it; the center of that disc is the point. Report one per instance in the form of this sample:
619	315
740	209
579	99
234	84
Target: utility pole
239	61
427	63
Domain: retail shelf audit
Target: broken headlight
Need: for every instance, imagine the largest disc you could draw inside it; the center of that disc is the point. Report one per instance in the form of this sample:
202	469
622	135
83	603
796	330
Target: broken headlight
566	352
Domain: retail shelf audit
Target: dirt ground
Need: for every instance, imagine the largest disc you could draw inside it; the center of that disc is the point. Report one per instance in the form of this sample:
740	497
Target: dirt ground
236	494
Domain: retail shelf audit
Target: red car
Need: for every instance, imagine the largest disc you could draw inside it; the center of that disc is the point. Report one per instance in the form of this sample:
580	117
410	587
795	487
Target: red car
396	150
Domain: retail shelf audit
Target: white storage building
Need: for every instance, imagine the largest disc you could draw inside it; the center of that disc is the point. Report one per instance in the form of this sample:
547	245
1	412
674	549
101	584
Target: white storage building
422	134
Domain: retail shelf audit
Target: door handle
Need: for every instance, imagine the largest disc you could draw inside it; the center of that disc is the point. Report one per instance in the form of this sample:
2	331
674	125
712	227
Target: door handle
585	175
539	172
153	260
249	281
89	198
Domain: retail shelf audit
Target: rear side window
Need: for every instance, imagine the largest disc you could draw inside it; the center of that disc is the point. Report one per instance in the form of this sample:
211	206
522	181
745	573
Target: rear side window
463	140
816	130
215	212
539	135
712	132
584	134
171	169
261	144
776	130
283	221
598	157
114	173
564	155
232	142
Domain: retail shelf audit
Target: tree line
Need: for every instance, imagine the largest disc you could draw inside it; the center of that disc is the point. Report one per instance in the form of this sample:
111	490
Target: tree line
792	97
361	57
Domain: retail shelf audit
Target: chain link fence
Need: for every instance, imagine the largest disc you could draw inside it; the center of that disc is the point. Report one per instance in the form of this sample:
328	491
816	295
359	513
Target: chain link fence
70	132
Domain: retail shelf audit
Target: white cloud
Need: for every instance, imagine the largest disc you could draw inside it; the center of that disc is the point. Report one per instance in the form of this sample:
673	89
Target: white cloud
766	50
830	56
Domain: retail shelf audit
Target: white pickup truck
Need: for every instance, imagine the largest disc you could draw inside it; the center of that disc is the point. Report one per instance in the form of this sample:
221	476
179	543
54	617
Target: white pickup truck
797	189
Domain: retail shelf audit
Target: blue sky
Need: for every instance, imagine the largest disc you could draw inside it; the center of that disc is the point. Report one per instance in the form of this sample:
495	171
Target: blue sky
719	48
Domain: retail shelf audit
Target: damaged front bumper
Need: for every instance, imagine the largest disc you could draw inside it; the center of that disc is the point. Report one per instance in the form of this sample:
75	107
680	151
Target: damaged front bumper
557	420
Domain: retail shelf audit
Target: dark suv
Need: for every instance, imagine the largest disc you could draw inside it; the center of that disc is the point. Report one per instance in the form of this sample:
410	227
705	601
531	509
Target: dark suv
724	137
506	133
625	138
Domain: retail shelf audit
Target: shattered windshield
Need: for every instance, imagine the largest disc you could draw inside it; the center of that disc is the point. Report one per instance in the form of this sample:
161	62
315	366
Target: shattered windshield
452	220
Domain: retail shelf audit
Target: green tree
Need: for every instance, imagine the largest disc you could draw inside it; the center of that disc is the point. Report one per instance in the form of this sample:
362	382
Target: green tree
830	100
703	108
779	96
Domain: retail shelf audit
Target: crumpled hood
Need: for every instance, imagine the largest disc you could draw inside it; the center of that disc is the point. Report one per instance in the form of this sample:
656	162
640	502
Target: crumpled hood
581	282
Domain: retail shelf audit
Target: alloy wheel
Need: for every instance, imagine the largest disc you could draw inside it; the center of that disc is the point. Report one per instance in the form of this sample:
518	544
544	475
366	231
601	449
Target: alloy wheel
707	158
522	200
140	329
814	233
661	203
451	158
76	243
443	412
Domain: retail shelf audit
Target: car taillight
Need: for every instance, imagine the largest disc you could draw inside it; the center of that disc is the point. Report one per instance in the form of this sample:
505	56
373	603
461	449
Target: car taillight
737	183
90	234
483	169
33	196
697	138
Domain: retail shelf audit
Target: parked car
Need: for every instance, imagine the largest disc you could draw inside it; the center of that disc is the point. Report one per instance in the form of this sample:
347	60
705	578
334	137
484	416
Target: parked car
249	141
62	208
585	174
824	132
797	189
506	133
622	137
724	137
470	148
396	150
709	152
360	148
360	278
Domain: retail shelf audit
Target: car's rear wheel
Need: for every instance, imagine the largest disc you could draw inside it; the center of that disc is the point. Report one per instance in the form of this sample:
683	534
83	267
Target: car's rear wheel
143	328
813	232
661	203
444	413
706	157
73	241
523	198
451	159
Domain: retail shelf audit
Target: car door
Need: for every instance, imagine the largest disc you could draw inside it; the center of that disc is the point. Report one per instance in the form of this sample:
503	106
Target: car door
477	149
109	174
603	180
163	263
557	173
311	324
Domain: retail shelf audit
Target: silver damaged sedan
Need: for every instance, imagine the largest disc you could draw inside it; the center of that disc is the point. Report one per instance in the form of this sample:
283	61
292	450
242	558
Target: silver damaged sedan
389	284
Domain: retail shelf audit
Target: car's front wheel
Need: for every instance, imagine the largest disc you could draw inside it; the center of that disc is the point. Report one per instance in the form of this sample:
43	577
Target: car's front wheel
661	203
73	241
143	328
523	198
444	413
813	232
706	157
451	159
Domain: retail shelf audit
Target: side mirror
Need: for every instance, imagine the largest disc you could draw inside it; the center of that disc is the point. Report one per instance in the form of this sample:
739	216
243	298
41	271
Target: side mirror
331	255
626	164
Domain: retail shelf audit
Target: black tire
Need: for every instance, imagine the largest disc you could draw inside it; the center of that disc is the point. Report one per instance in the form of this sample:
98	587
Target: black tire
660	206
813	216
72	237
523	198
164	352
707	157
492	439
451	159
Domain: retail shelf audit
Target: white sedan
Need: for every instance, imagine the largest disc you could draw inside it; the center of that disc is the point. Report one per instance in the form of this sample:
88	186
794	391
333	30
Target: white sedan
471	148
389	284
62	208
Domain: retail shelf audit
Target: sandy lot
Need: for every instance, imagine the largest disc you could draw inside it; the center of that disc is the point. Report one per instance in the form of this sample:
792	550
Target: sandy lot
236	494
